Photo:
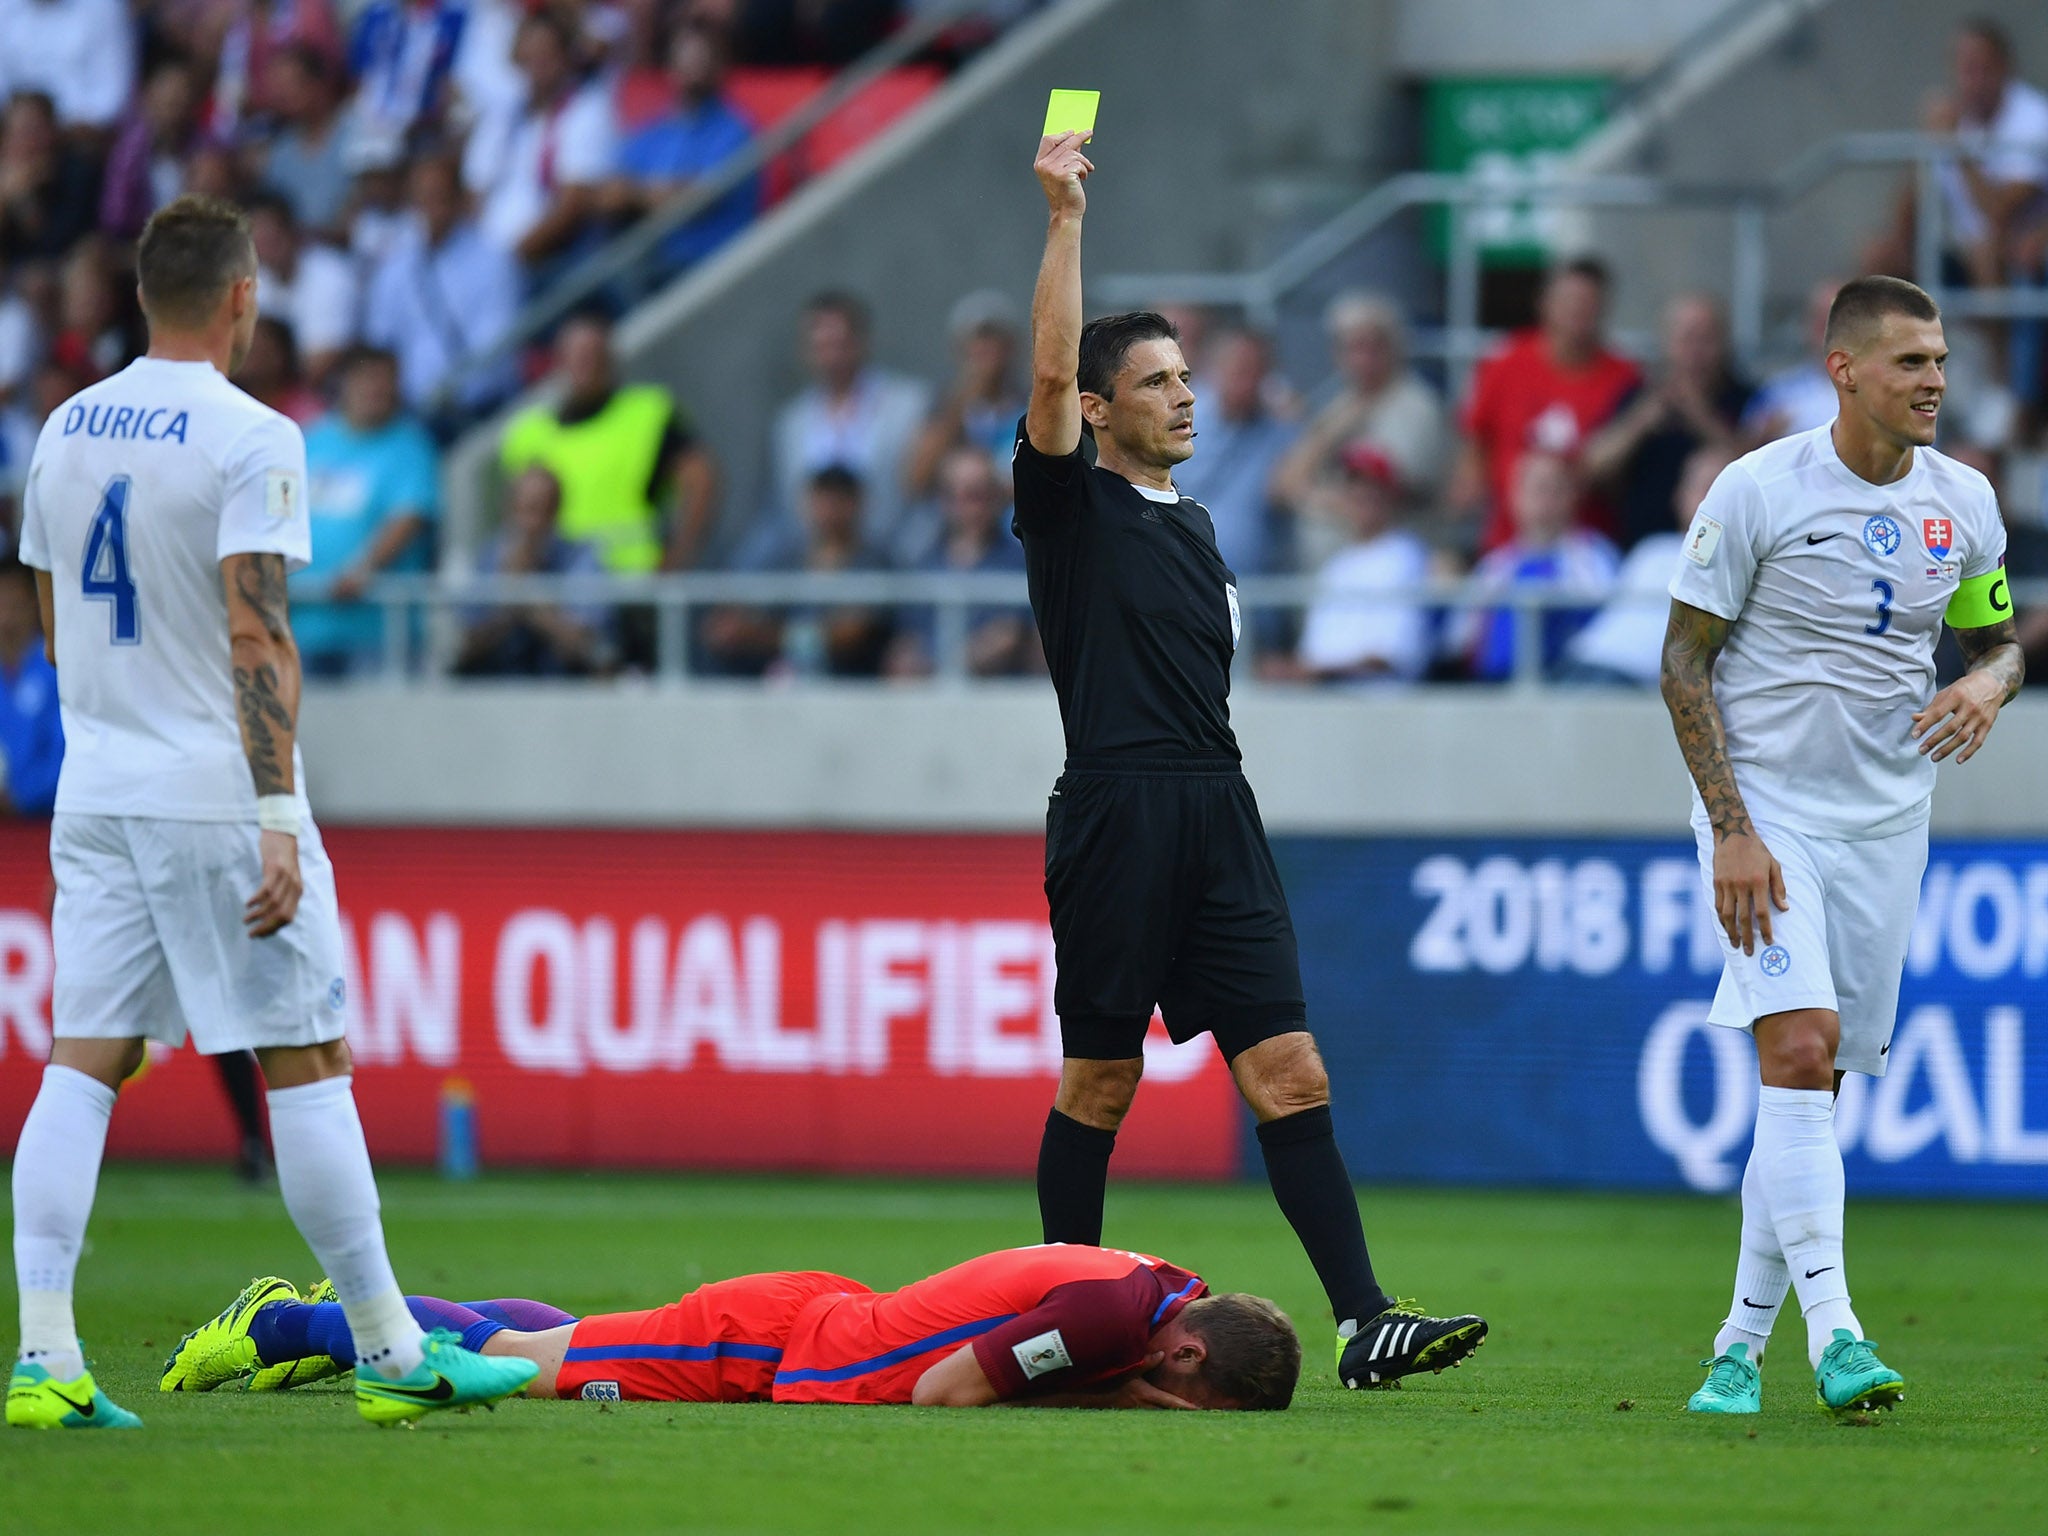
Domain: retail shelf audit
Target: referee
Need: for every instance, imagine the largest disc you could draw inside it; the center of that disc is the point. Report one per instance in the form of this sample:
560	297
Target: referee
1160	883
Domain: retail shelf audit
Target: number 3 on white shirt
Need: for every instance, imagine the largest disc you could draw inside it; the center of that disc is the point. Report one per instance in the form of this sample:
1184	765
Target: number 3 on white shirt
106	577
1883	589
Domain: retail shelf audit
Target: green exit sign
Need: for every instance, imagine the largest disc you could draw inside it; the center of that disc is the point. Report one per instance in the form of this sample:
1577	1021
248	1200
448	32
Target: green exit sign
1504	128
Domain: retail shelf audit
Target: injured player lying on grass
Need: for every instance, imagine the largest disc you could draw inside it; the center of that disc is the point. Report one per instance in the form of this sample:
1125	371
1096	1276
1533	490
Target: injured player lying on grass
1055	1326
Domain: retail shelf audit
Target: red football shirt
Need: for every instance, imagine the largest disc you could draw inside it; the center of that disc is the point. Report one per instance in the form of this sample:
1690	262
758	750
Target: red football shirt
1521	399
1051	1319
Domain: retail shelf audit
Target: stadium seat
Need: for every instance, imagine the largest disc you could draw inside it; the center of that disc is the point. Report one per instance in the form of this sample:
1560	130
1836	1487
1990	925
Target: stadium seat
765	96
869	114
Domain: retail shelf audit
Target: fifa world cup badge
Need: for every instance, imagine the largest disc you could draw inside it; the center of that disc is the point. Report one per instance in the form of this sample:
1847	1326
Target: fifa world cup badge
281	496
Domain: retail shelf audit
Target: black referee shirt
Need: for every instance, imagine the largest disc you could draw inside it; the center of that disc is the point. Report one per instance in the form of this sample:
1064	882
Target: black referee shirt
1136	608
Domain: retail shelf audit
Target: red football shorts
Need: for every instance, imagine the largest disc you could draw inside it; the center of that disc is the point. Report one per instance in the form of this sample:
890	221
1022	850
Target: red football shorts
719	1344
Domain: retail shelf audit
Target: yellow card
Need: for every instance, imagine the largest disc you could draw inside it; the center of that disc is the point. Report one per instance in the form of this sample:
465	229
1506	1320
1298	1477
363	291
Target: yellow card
1071	112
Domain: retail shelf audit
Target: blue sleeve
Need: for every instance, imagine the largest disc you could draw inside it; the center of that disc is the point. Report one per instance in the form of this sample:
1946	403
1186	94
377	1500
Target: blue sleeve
495	304
381	315
737	134
364	39
449	43
32	781
637	158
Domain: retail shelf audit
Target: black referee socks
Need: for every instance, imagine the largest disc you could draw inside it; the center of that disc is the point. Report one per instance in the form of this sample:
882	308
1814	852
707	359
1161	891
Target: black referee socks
1073	1168
1314	1193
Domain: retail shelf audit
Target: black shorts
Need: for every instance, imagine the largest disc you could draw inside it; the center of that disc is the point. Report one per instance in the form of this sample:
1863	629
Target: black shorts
1163	891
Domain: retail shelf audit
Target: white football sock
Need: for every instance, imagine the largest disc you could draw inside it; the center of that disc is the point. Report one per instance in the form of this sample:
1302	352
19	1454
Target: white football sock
1802	1181
323	1172
56	1172
1761	1278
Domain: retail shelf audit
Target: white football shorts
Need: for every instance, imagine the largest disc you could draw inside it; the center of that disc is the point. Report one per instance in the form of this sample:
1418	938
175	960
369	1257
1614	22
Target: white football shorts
1841	946
149	938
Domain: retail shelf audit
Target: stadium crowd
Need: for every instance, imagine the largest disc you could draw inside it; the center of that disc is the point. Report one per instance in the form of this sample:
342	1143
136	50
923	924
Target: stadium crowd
414	168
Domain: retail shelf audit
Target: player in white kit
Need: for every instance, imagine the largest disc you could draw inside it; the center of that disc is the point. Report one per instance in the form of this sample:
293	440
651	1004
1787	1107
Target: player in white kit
1798	668
162	511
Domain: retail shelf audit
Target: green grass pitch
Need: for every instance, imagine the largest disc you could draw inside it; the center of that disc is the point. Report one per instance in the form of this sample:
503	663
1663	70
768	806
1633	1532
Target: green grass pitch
1568	1421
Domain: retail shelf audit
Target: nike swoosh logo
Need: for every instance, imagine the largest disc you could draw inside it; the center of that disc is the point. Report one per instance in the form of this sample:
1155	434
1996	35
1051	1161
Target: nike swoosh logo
1884	1048
1755	1306
440	1392
84	1410
1821	538
1821	1271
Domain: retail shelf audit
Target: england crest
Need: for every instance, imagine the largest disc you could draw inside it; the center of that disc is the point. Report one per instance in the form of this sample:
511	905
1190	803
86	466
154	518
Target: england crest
1940	536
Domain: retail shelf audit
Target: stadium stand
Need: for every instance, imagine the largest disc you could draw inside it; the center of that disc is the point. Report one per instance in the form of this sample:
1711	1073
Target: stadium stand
345	160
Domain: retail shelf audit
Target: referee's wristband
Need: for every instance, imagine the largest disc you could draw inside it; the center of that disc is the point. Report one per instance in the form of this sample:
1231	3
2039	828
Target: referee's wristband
278	813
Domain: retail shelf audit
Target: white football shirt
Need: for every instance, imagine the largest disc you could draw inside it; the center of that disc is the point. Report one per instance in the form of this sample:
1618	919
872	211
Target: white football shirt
1357	617
2011	148
1836	590
140	486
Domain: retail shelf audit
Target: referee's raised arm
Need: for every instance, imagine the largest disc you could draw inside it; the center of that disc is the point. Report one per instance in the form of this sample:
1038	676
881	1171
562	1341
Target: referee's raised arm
1053	422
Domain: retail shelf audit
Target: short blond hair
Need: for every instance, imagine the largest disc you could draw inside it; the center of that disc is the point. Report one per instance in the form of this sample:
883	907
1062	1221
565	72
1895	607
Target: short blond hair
193	249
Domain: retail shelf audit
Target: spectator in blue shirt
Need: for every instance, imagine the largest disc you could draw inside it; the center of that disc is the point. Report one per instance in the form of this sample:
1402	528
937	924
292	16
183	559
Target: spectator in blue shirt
442	299
984	401
845	641
373	494
1546	554
31	734
674	152
1242	445
975	536
535	639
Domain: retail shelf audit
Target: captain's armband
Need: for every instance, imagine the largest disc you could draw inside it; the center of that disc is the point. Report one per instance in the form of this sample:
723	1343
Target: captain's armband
1981	602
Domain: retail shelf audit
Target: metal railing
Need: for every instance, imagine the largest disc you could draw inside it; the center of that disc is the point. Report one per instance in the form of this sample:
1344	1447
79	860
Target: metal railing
1467	200
423	617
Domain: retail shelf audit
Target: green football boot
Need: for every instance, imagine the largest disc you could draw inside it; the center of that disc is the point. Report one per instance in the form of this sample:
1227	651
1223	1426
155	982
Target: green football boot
1850	1376
37	1400
221	1351
1734	1384
449	1377
287	1374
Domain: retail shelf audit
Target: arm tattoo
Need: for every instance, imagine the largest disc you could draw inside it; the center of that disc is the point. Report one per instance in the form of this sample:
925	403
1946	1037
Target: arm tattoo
267	728
259	582
265	672
1692	640
1995	648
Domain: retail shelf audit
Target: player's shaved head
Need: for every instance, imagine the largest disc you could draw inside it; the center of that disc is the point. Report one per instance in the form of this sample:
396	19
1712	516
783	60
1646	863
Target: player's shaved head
192	251
1254	1358
1860	309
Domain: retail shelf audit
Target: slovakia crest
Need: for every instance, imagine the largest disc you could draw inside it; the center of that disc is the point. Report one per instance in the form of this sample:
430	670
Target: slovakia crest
1940	536
1882	535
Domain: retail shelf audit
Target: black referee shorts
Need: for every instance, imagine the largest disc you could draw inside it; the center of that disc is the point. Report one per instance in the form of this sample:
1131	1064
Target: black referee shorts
1164	892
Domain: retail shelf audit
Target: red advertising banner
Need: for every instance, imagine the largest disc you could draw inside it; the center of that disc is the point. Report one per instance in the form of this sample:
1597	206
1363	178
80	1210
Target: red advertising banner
761	1000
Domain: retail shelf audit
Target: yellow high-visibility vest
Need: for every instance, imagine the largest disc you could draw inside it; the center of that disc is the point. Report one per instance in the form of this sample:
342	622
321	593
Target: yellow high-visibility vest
605	463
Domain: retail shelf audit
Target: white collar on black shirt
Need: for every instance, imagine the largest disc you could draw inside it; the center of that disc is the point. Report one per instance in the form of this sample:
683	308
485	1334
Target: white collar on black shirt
1164	498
